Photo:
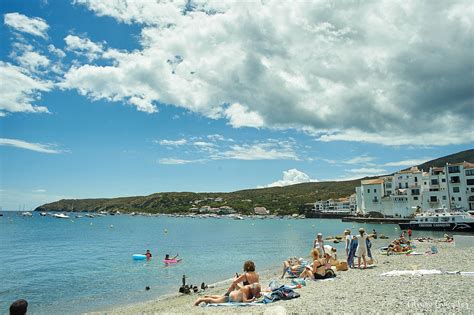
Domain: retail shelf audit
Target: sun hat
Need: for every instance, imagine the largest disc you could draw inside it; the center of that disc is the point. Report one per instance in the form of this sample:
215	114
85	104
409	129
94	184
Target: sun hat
320	234
361	230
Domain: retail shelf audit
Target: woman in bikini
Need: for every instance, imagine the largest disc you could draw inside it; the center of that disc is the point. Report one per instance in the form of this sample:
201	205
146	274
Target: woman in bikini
245	294
248	277
318	270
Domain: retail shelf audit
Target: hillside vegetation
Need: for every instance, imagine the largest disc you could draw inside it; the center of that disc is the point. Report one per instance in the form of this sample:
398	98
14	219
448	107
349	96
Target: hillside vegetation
279	200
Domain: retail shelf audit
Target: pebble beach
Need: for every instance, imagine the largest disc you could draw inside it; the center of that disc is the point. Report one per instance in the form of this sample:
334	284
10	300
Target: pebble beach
353	291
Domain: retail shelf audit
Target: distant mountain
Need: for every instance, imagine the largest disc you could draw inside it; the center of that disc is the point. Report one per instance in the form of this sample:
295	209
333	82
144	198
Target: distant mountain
281	200
463	156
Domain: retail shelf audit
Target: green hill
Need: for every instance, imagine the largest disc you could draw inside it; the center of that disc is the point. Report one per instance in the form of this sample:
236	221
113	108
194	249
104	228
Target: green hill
281	200
463	156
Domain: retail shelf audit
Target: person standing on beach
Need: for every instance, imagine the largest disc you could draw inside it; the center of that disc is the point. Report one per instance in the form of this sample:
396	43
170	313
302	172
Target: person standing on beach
319	244
361	251
409	233
348	236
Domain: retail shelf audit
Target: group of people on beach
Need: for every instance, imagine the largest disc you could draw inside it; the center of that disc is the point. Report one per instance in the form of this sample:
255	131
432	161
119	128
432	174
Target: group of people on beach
245	288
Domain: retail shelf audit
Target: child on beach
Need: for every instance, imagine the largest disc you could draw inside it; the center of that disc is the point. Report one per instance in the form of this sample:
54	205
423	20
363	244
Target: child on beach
245	294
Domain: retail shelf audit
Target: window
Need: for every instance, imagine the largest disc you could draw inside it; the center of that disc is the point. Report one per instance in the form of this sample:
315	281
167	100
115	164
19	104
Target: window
443	180
453	169
415	198
415	192
470	182
425	183
416	179
455	179
368	190
406	185
444	197
433	199
456	189
472	189
375	190
459	199
434	181
469	172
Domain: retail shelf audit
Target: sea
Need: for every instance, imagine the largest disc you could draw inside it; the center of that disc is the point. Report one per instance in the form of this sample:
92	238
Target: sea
79	265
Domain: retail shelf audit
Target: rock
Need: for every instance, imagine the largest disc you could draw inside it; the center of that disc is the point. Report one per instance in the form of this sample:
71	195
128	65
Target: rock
383	237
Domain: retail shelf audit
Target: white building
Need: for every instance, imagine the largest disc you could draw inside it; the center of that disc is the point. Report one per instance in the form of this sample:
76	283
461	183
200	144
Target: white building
406	191
341	205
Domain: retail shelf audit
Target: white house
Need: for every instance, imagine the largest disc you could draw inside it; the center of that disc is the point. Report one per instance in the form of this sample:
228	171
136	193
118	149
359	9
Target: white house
400	195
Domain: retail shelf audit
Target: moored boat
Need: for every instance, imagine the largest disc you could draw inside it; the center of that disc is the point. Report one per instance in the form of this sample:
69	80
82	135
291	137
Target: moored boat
441	220
60	216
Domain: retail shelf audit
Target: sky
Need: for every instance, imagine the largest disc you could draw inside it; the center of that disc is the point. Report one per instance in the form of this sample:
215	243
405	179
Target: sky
121	98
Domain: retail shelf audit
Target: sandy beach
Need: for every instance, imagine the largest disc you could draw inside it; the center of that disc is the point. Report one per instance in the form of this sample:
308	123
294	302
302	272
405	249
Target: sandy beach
360	291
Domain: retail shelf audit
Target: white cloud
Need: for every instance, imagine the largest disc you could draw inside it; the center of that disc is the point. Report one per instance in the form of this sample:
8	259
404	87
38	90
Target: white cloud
58	52
38	191
34	26
19	90
383	72
363	159
411	162
173	142
173	161
32	61
292	177
240	116
38	147
259	151
84	46
366	170
204	144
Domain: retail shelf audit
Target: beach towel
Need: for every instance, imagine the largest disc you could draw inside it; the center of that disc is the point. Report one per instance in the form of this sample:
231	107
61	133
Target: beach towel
234	304
421	272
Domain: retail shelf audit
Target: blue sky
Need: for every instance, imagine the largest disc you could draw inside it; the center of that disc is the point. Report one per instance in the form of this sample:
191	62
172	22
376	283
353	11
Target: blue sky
105	99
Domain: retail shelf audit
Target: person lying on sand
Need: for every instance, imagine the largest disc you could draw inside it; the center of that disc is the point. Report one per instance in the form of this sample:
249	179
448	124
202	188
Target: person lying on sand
248	277
245	294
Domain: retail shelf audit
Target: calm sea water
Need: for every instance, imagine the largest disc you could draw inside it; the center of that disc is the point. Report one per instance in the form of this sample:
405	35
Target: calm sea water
73	266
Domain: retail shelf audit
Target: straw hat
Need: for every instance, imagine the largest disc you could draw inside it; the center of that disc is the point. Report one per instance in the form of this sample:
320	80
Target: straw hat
361	230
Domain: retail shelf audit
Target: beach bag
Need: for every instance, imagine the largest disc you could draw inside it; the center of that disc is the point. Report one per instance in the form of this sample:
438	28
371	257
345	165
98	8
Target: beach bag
342	266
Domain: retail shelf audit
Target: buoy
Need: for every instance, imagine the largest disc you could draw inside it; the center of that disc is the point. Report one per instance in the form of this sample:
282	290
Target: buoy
138	257
111	226
166	231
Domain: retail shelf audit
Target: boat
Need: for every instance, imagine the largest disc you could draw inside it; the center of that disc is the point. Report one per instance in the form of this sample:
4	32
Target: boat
78	216
441	220
60	216
27	214
89	215
238	217
43	214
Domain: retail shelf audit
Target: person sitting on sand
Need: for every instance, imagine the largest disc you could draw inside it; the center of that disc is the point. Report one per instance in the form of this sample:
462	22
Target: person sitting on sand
248	277
294	266
331	251
246	294
318	270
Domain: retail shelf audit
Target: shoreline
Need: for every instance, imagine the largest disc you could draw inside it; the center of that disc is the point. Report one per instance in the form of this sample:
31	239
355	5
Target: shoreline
352	290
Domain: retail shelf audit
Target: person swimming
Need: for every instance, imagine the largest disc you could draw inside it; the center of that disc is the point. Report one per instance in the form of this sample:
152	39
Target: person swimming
167	257
148	254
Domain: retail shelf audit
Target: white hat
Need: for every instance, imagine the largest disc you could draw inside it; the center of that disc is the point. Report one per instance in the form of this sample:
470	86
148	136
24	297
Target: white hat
320	234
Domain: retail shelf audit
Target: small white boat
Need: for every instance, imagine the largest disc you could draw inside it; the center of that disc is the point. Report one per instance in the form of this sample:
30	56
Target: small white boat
238	217
43	214
90	215
27	214
60	216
